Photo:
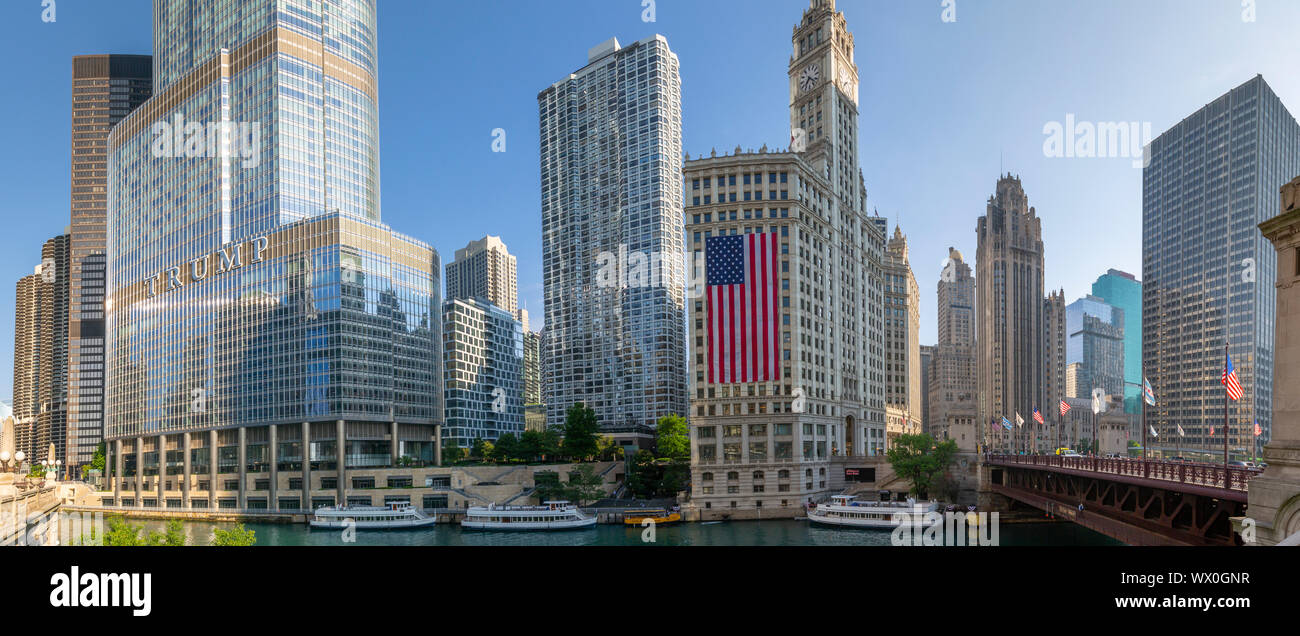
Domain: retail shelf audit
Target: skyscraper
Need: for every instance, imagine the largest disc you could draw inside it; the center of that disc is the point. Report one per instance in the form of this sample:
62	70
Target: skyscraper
765	447
105	88
1123	291
484	269
927	363
953	387
40	405
268	336
1208	274
902	332
532	368
484	360
611	162
1095	341
1012	355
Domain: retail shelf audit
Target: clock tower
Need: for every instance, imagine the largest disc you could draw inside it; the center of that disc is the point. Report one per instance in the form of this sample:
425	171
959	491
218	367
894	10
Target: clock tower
824	98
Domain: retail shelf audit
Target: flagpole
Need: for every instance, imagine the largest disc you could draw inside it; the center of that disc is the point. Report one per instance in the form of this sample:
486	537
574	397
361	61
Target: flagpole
1144	417
1225	417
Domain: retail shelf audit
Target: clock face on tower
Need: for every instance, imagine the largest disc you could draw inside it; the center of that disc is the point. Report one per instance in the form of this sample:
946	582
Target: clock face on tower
808	79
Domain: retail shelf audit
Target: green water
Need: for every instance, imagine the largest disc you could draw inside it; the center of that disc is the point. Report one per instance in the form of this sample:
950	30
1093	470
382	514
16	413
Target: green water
732	533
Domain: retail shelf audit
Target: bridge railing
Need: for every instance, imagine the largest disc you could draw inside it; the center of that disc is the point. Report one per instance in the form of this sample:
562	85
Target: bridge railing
1191	473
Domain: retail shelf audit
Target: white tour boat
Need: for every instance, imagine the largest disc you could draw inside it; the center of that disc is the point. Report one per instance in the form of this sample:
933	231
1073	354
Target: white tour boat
395	516
551	515
846	511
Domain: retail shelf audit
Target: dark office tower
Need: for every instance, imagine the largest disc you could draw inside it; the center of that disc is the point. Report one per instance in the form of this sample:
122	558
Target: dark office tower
1011	358
41	355
1208	273
105	88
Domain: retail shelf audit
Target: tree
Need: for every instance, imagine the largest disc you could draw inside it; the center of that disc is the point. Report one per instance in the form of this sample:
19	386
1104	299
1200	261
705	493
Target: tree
482	449
452	453
608	450
100	459
239	536
172	535
550	444
580	429
529	447
672	438
585	485
918	459
643	475
507	448
120	533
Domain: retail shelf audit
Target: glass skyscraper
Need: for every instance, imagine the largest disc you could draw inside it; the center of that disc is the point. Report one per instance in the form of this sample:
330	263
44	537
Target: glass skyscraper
611	172
1123	291
1095	340
1208	274
484	360
266	333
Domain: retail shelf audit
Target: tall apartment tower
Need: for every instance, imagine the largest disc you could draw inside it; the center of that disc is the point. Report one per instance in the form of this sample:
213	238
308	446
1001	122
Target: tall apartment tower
270	342
105	88
927	365
611	165
483	349
765	448
953	389
41	354
1208	275
902	333
1010	296
484	269
532	368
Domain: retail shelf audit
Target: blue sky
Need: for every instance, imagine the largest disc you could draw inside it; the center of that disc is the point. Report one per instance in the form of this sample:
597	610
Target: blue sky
945	108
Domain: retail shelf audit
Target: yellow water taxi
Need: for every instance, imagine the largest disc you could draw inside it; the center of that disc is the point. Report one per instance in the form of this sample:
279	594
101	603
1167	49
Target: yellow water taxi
658	516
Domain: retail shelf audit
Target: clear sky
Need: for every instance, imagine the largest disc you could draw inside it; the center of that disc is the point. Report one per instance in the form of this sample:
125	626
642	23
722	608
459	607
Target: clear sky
945	107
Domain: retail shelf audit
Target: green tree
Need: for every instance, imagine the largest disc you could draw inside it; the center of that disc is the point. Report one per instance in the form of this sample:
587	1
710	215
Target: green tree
172	535
507	448
675	477
452	453
482	450
550	444
529	447
918	459
672	438
239	536
585	485
100	459
643	475
120	533
607	449
547	486
580	431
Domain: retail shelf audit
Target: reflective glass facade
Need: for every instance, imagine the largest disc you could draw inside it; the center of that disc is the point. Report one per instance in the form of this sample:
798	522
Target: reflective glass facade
258	286
1208	273
1095	339
1122	290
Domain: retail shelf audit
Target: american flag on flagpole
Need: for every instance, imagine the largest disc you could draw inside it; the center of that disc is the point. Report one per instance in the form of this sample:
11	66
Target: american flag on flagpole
1258	431
1038	416
744	329
1065	408
1230	381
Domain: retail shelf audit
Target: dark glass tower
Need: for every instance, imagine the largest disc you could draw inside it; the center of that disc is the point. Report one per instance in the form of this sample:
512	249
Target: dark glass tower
1208	273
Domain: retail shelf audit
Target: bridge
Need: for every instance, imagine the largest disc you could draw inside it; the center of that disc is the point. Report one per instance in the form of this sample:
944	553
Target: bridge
1137	501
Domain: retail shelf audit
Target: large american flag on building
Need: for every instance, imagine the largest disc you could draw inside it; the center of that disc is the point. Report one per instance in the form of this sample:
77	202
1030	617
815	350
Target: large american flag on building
744	330
1230	380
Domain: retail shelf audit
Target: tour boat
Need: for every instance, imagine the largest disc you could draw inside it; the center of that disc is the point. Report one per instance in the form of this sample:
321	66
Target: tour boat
659	516
394	516
551	515
845	511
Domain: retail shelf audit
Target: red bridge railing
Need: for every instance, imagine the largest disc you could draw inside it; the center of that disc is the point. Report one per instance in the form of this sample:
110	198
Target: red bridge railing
1191	473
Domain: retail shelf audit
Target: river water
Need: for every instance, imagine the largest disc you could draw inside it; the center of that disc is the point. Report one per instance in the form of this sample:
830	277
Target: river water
731	533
